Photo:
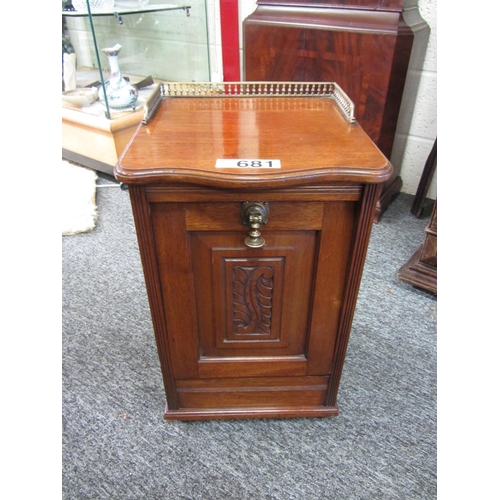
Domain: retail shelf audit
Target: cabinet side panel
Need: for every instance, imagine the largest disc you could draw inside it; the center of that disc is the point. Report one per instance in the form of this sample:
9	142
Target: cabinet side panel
333	256
363	227
174	266
140	209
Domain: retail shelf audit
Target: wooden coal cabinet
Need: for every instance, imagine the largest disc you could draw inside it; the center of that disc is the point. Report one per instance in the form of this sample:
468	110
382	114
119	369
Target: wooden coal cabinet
253	205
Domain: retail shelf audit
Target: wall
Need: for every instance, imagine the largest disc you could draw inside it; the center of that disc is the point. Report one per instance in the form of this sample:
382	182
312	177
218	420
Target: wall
411	149
214	31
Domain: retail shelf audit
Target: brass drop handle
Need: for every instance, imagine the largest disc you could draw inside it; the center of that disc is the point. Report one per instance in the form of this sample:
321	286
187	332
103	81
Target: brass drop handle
255	240
254	214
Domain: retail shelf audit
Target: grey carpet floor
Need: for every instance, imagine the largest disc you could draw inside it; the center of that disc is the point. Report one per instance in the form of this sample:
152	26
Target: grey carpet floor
116	445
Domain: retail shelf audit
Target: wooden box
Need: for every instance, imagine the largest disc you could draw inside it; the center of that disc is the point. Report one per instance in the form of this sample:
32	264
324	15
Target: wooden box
253	205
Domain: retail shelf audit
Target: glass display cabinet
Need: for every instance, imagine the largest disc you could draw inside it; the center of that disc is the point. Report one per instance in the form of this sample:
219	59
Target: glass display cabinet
157	42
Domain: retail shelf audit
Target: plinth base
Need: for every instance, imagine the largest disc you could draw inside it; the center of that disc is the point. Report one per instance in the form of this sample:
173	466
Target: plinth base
279	412
419	274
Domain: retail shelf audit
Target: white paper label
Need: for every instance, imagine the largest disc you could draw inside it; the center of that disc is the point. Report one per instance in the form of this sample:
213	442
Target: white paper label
247	163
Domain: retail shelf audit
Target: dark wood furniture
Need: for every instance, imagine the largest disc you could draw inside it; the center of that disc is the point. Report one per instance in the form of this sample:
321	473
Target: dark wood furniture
366	46
421	270
425	182
252	273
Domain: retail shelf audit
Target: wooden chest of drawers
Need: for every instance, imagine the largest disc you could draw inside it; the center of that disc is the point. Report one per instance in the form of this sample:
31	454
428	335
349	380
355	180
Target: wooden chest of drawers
253	207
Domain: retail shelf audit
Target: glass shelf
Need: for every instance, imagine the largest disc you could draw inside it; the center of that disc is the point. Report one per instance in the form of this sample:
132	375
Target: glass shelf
117	12
150	37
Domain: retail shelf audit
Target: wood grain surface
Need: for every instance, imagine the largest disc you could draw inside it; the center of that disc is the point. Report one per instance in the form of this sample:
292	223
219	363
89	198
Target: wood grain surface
307	134
246	332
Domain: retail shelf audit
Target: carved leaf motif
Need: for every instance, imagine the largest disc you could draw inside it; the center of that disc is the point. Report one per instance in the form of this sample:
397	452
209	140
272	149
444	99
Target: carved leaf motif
252	300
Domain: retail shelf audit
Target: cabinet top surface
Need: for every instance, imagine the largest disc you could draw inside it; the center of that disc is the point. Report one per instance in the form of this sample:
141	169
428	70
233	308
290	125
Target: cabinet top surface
308	135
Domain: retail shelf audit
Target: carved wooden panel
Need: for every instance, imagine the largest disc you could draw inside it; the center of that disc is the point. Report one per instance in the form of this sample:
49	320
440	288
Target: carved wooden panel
252	301
253	291
250	307
254	307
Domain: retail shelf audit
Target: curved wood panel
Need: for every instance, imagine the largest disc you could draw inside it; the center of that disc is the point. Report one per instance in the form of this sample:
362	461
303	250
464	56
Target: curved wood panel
187	136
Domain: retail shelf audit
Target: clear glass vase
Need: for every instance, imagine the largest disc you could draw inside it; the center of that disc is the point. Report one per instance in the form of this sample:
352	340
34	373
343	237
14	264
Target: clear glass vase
119	92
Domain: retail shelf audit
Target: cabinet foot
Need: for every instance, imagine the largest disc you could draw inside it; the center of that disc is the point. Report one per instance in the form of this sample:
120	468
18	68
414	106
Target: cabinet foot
391	190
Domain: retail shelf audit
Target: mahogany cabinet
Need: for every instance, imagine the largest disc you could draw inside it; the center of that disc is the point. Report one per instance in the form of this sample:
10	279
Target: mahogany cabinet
366	46
253	206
